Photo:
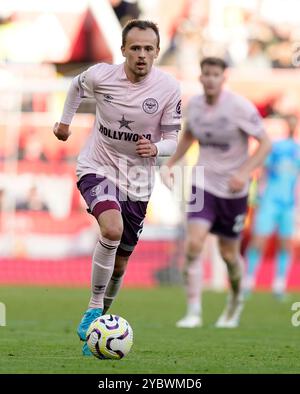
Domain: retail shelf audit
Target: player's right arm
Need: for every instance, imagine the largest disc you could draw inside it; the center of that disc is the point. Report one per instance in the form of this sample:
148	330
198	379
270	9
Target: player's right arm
82	86
61	129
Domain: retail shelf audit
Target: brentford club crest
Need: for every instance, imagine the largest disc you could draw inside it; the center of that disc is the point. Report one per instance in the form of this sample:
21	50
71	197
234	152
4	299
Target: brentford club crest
150	105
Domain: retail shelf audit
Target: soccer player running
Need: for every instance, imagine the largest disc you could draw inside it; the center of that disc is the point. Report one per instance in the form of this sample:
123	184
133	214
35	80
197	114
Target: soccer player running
276	209
222	122
137	119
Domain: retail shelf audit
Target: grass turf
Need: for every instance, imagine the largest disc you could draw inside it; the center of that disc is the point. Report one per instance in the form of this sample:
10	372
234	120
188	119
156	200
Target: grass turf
40	336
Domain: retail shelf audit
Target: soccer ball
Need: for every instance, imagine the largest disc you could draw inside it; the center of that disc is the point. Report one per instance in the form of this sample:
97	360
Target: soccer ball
109	336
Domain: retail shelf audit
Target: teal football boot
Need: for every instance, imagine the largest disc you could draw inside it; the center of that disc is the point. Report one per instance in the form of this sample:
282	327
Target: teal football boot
89	316
85	350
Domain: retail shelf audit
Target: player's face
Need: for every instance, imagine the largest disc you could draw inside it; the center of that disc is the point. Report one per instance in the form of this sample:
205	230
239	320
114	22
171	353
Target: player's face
140	50
212	79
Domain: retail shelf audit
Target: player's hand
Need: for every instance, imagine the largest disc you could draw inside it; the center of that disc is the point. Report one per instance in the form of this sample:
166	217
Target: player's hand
61	131
145	148
238	181
167	176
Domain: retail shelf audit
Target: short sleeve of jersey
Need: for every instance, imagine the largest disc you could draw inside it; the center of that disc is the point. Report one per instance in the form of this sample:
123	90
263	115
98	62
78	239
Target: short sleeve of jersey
171	117
87	81
249	119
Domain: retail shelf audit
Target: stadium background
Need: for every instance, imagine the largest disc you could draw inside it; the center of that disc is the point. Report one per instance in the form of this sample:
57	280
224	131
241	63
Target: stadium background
46	238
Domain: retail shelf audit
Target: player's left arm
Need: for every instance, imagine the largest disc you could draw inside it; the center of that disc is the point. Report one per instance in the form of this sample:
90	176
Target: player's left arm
258	157
165	147
251	124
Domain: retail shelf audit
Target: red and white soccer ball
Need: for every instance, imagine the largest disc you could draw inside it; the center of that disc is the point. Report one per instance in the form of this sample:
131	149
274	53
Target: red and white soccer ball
109	337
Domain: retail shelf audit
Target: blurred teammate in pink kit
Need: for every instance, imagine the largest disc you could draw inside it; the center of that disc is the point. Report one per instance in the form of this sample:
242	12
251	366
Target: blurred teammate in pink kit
137	119
222	122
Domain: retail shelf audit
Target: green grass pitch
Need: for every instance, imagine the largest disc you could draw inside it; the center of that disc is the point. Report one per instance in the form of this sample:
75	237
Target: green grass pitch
40	335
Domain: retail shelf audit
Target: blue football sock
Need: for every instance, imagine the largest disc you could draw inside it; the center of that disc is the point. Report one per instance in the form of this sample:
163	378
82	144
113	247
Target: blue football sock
253	258
282	263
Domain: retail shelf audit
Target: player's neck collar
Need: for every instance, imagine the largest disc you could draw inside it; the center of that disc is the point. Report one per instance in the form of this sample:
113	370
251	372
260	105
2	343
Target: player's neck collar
123	76
217	100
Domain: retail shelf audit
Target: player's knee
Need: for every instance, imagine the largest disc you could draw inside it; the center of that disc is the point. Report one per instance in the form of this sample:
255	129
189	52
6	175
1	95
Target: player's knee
114	233
194	246
229	256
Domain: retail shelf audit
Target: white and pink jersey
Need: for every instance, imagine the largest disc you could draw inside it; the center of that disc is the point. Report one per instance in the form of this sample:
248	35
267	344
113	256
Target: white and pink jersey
125	111
223	130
